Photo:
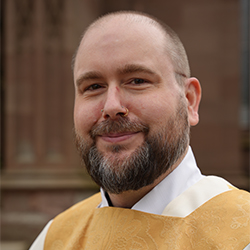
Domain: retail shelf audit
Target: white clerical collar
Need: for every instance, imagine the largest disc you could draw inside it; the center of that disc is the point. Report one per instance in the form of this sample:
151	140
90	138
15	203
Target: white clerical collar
183	177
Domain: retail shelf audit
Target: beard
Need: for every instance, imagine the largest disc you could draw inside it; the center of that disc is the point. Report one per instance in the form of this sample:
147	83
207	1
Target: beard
149	161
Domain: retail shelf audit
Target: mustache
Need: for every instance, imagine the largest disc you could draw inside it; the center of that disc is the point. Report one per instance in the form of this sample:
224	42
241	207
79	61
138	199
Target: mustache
120	125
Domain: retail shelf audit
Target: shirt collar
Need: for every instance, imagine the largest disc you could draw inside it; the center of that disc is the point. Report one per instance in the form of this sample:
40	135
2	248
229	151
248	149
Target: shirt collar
180	179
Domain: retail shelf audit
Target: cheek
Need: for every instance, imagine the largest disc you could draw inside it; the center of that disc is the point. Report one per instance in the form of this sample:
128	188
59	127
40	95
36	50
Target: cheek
85	116
156	112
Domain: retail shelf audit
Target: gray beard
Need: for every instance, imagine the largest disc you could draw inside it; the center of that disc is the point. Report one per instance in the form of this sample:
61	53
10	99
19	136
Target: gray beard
149	161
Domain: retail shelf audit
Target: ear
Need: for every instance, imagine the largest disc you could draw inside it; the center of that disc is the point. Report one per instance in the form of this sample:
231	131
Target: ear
193	95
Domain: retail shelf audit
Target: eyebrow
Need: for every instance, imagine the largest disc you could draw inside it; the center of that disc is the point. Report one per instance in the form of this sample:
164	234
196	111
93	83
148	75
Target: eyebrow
91	75
134	68
127	69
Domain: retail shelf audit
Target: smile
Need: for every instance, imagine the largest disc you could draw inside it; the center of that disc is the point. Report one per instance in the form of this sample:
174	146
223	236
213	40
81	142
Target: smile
117	137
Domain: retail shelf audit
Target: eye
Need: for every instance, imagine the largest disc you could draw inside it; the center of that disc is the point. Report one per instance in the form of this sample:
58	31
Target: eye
93	87
138	81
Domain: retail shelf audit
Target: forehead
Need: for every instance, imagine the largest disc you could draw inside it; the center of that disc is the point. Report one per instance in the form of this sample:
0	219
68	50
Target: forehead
119	35
125	25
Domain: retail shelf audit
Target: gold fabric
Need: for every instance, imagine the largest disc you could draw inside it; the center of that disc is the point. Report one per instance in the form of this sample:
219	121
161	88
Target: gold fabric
223	222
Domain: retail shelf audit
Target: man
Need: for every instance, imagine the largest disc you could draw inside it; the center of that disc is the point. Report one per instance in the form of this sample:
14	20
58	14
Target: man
134	104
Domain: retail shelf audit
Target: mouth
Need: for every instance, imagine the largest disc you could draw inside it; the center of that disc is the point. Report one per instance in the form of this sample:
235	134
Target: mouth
117	137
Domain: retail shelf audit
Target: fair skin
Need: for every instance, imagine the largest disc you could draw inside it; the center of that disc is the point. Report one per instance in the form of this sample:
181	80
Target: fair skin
120	65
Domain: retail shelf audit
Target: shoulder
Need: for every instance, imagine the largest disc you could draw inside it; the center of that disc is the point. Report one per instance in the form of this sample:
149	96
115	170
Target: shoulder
66	223
66	220
81	208
204	192
235	201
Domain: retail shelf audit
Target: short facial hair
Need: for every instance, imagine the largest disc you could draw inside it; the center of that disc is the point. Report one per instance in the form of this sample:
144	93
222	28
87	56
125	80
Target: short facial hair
149	161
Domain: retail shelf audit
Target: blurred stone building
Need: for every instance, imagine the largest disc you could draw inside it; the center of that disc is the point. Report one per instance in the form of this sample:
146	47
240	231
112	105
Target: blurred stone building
41	174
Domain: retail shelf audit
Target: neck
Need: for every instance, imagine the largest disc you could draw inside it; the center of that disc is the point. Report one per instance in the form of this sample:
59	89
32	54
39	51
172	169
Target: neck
129	198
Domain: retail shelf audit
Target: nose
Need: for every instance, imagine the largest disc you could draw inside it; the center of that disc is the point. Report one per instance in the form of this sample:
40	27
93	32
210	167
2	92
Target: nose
113	107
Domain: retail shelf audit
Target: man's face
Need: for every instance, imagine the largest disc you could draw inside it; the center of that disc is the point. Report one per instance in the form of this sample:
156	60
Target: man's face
119	66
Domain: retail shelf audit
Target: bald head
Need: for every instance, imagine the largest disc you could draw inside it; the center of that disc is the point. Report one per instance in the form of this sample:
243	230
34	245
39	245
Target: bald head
170	40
